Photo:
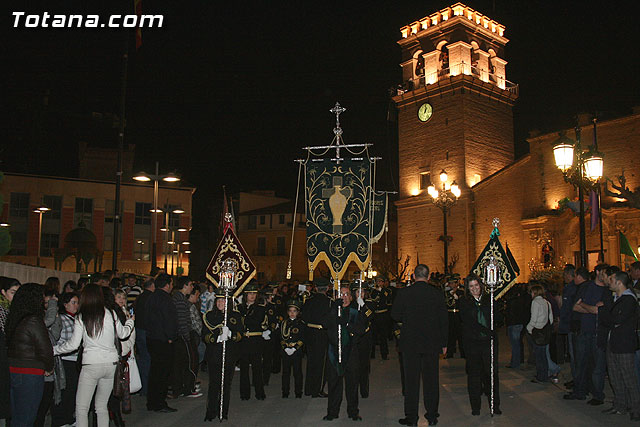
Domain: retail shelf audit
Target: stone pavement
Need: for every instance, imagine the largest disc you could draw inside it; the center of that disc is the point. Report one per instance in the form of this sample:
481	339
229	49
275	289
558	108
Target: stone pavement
523	403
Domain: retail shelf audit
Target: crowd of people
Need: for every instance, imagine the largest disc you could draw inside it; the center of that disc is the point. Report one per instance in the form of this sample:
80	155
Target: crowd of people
61	344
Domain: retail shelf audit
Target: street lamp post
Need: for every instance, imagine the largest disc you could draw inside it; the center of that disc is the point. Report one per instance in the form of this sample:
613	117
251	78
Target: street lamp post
444	199
156	178
170	231
582	169
40	210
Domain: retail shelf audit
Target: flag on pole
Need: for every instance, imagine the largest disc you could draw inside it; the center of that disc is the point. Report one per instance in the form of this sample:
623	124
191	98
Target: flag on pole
507	270
224	224
137	6
512	260
625	247
594	204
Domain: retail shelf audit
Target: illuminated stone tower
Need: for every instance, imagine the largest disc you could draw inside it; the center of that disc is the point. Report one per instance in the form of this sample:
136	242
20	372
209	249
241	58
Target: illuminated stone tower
454	113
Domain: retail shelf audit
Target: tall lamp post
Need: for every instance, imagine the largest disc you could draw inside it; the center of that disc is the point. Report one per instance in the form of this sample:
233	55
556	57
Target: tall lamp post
40	210
156	178
582	169
171	236
444	198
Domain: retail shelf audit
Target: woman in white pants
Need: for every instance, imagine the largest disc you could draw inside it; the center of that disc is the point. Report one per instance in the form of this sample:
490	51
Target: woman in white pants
96	327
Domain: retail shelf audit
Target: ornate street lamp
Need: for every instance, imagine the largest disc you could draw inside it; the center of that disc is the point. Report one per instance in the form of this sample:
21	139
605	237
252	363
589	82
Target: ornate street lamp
582	169
145	177
445	199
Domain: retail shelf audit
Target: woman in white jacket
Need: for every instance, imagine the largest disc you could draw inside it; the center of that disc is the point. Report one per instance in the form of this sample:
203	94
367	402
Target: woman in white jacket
540	314
97	328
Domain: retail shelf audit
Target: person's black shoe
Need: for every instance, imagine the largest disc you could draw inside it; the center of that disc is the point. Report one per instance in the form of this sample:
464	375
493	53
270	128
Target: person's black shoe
595	402
426	416
244	398
497	411
407	422
569	384
571	396
475	412
298	395
323	394
356	418
433	422
166	410
261	397
329	418
285	395
609	410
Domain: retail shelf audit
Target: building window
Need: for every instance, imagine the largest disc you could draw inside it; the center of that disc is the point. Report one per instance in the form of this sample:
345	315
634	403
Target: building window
280	219
83	212
54	203
109	208
174	218
281	270
280	246
143	213
19	205
262	246
425	180
262	219
18	243
48	242
253	222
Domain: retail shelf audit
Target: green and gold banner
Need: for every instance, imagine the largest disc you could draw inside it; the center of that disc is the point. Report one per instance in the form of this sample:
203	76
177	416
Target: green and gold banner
339	218
506	263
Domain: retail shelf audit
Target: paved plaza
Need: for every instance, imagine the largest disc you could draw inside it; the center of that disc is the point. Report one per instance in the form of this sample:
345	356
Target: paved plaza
523	403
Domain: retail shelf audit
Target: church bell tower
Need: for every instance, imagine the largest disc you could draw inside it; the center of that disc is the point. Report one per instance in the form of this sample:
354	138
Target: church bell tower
454	114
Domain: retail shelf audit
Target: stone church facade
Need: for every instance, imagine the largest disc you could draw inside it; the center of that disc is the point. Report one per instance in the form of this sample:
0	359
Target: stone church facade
455	114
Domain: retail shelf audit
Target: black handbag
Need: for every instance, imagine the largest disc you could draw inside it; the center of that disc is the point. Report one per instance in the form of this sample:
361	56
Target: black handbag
121	376
542	336
79	359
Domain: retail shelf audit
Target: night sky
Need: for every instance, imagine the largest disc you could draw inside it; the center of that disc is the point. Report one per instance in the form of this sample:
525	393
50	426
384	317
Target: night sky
228	92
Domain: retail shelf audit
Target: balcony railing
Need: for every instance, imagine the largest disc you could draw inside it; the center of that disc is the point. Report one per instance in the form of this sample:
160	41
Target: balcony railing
454	70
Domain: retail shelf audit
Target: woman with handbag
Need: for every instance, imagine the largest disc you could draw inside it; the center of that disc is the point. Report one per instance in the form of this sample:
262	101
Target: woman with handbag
539	327
117	302
98	329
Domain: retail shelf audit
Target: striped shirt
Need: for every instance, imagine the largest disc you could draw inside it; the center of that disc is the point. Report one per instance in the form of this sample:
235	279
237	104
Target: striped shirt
66	332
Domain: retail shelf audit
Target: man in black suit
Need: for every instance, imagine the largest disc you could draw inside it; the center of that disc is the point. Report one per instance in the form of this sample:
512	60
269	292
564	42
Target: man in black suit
423	313
162	331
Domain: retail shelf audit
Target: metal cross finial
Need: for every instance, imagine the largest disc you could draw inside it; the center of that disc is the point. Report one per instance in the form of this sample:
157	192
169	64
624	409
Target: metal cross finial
496	222
337	110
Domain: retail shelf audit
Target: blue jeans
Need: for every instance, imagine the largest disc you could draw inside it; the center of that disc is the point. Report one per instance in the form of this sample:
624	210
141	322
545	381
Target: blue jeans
554	369
542	365
571	340
599	372
591	366
514	332
143	359
26	394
